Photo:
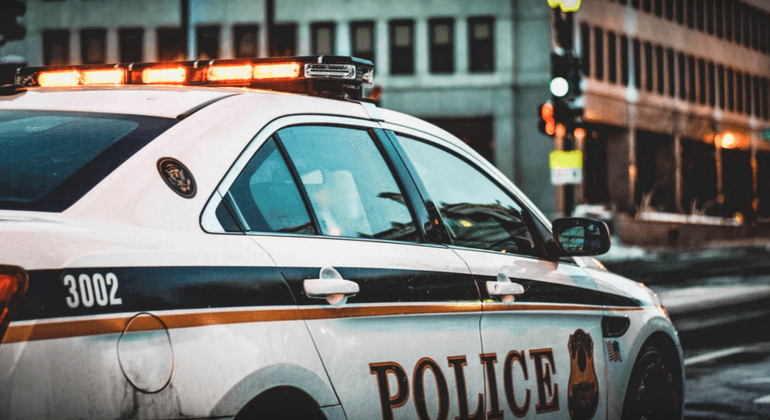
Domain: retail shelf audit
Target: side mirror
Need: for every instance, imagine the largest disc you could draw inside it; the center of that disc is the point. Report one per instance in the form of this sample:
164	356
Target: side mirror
581	236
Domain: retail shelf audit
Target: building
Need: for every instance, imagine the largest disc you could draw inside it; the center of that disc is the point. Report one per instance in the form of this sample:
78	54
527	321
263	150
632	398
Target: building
676	91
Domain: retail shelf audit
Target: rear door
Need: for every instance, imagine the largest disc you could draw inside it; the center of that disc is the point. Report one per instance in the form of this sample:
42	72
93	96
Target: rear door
541	327
395	320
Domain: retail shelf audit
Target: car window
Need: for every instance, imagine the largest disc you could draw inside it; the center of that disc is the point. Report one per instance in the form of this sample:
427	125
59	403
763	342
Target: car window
266	197
51	159
476	211
349	185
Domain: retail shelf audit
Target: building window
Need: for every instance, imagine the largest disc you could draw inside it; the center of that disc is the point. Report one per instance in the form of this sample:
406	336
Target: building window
647	5
691	74
481	32
755	28
612	75
131	43
322	38
737	27
680	11
691	13
730	90
712	85
648	66
660	69
710	16
285	40
738	91
702	81
56	47
699	9
599	53
746	19
635	4
729	20
585	49
171	44
747	84
362	40
442	51
207	42
670	9
92	46
659	7
721	76
755	84
762	24
624	60
671	64
720	18
682	77
402	47
246	41
765	100
637	64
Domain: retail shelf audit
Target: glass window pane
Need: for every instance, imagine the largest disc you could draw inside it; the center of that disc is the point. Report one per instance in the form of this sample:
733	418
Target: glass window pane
267	197
477	212
350	187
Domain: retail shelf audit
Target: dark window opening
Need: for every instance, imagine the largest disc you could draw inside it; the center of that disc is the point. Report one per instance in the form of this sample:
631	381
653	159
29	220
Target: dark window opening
402	47
747	84
659	7
729	20
660	69
670	9
746	25
720	18
701	81
730	90
757	102
682	77
131	44
207	42
599	53
755	29
739	91
712	85
699	9
612	74
671	72
691	72
246	41
285	40
765	100
93	48
481	35
362	38
680	11
647	5
172	44
442	51
323	38
585	49
699	174
624	60
737	26
710	16
656	170
637	64
737	182
691	13
721	75
648	66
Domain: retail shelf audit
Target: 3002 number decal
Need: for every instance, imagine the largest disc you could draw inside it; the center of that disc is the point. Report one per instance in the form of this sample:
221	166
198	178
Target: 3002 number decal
87	290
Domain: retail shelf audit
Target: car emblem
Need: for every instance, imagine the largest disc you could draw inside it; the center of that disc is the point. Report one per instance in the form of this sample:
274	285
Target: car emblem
177	177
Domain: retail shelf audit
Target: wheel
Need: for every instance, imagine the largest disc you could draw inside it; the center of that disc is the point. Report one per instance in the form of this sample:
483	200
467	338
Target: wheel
281	403
654	391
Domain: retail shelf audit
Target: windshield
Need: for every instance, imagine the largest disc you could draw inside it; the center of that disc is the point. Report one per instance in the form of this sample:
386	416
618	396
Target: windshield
51	159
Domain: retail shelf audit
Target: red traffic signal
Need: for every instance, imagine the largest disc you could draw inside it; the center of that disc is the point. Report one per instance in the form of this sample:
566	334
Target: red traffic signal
545	116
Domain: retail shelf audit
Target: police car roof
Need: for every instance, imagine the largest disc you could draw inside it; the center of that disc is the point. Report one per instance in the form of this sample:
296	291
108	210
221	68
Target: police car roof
155	101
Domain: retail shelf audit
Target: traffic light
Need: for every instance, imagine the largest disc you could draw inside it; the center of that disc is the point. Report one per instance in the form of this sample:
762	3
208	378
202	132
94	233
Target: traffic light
565	71
545	119
10	30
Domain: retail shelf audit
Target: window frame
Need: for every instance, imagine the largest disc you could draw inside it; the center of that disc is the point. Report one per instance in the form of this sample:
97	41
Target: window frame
363	24
211	224
437	50
97	34
315	28
491	173
474	56
401	67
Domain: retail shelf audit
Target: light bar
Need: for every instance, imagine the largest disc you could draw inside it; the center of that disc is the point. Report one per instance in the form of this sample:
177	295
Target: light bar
153	75
330	76
58	78
276	71
224	73
103	77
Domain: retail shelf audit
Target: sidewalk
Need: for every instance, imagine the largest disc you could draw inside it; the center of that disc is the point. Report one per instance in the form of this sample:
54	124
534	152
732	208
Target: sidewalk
721	284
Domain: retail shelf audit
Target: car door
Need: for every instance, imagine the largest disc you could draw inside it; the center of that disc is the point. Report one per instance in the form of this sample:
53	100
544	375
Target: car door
541	327
394	319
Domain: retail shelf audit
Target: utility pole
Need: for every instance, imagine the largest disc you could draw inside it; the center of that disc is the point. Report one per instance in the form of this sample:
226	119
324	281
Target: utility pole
270	18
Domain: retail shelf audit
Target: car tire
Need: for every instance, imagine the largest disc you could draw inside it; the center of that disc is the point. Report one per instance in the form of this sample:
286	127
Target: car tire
653	391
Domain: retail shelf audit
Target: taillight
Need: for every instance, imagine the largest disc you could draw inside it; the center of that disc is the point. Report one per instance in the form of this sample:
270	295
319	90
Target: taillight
13	284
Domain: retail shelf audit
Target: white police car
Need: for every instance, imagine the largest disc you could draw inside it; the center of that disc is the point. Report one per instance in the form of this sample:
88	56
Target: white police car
177	244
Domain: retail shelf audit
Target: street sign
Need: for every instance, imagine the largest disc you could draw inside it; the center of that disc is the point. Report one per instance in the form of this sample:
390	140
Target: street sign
566	167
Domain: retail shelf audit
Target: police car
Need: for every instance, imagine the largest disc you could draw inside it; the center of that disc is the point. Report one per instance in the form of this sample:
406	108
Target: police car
253	239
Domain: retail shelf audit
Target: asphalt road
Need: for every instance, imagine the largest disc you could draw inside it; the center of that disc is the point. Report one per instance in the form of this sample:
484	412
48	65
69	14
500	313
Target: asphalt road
728	371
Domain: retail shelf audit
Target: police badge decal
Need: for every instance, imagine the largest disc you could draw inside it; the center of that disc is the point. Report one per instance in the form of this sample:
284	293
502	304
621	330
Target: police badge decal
177	177
583	389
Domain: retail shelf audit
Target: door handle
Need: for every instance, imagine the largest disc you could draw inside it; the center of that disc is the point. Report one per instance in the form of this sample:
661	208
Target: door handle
504	288
330	286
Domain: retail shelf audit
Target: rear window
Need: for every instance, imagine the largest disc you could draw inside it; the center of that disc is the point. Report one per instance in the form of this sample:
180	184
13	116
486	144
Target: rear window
51	159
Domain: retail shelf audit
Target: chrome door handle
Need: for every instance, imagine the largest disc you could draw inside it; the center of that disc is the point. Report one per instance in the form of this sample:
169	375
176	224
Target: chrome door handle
504	289
330	286
497	289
